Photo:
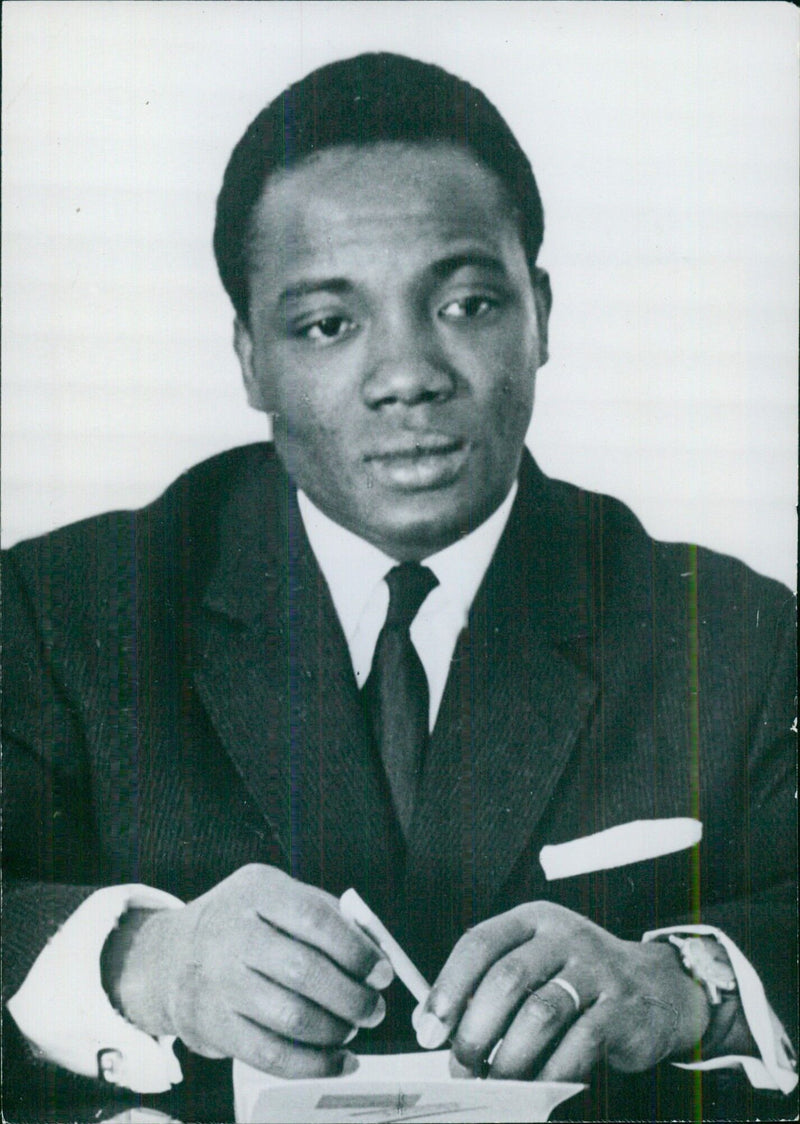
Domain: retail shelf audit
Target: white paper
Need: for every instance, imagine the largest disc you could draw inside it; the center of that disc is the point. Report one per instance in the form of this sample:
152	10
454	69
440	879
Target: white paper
409	1087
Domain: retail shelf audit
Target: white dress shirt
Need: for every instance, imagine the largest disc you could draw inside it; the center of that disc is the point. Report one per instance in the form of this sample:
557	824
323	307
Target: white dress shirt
62	1007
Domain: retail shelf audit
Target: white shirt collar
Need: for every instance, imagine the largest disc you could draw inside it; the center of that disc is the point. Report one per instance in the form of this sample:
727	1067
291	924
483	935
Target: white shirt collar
353	567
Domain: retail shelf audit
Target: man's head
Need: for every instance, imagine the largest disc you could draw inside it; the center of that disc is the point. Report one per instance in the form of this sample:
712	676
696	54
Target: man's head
361	101
377	232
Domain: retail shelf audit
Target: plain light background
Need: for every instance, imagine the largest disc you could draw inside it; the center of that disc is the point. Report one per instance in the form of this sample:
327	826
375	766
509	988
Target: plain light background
664	139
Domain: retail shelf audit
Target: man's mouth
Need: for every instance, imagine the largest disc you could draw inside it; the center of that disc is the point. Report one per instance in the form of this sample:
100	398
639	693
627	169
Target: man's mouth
427	461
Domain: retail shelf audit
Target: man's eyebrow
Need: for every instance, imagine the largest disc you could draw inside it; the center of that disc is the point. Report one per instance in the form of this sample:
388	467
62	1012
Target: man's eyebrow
316	285
445	267
479	259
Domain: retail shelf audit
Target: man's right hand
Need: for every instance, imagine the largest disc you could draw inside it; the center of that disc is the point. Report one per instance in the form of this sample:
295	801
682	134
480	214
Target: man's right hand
262	968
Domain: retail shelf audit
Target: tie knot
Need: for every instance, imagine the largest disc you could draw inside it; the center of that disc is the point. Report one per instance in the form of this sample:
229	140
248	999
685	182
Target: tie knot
409	584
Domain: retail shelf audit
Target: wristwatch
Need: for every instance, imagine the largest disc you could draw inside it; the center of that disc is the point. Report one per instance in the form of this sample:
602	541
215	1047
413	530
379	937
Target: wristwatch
706	961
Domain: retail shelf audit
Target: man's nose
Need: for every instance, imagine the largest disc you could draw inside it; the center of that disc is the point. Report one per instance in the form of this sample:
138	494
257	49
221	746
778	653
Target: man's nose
406	366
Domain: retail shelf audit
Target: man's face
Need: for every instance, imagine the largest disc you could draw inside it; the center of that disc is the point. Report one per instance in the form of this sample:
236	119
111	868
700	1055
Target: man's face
395	334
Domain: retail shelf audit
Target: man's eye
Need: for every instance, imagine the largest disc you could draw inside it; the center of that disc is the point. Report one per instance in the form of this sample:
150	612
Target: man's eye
326	329
467	308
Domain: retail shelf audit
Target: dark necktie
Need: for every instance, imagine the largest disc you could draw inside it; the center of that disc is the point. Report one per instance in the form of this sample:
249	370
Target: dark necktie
396	692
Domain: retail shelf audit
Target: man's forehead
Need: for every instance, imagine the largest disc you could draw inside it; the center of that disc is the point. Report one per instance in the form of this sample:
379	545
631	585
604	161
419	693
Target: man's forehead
386	163
376	199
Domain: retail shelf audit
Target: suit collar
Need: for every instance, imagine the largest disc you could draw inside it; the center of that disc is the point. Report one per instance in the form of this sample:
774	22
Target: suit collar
261	531
257	523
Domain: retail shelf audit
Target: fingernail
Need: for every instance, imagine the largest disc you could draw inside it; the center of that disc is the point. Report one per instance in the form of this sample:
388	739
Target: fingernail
349	1063
431	1032
377	1015
380	976
109	1062
351	1035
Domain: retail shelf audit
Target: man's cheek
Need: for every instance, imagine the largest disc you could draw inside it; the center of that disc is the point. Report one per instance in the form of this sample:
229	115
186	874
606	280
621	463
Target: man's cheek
510	412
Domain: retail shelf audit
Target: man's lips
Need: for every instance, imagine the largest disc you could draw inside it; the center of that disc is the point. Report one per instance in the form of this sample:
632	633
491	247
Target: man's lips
416	446
426	461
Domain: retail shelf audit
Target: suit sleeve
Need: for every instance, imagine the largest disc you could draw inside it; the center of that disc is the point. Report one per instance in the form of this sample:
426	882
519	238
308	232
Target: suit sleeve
50	856
754	894
57	908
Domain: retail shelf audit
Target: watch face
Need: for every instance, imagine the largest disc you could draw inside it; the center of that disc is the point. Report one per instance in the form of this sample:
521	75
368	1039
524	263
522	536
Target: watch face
721	975
702	958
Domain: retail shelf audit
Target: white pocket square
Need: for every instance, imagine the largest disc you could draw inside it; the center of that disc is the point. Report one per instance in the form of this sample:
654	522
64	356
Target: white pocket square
618	846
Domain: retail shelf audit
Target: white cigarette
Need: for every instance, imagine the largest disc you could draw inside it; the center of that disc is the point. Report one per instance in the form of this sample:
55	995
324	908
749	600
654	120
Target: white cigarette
357	911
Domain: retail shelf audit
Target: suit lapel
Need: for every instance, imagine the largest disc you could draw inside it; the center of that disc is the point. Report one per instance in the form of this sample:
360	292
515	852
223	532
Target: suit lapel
275	677
513	709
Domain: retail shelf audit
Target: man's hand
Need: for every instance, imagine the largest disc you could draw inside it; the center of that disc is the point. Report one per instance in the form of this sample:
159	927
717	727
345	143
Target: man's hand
261	968
637	1005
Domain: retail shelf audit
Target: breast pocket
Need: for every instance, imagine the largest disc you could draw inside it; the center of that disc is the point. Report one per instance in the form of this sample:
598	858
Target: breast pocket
630	877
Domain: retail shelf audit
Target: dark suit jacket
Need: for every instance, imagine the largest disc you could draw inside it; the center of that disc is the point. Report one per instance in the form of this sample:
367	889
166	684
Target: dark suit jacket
179	700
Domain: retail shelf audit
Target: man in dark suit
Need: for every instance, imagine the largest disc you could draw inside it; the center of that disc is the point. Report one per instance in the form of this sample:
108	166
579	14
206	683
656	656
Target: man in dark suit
201	698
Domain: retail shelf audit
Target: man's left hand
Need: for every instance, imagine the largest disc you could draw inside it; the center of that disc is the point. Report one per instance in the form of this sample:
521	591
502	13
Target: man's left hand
632	1002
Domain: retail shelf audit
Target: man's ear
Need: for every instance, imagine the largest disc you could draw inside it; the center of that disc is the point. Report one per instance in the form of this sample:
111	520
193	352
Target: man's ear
543	298
258	392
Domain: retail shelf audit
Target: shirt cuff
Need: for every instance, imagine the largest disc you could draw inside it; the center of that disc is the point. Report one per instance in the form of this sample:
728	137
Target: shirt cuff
777	1066
64	1012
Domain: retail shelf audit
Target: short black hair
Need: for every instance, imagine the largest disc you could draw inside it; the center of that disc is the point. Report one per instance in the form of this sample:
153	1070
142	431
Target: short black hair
362	101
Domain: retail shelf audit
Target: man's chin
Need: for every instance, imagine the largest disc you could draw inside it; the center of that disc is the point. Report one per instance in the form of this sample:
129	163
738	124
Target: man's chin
420	528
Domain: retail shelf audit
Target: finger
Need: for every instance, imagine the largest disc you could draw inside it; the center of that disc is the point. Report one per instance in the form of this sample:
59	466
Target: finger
469	961
580	1049
307	972
499	996
272	1053
290	1015
456	1069
314	917
538	1025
